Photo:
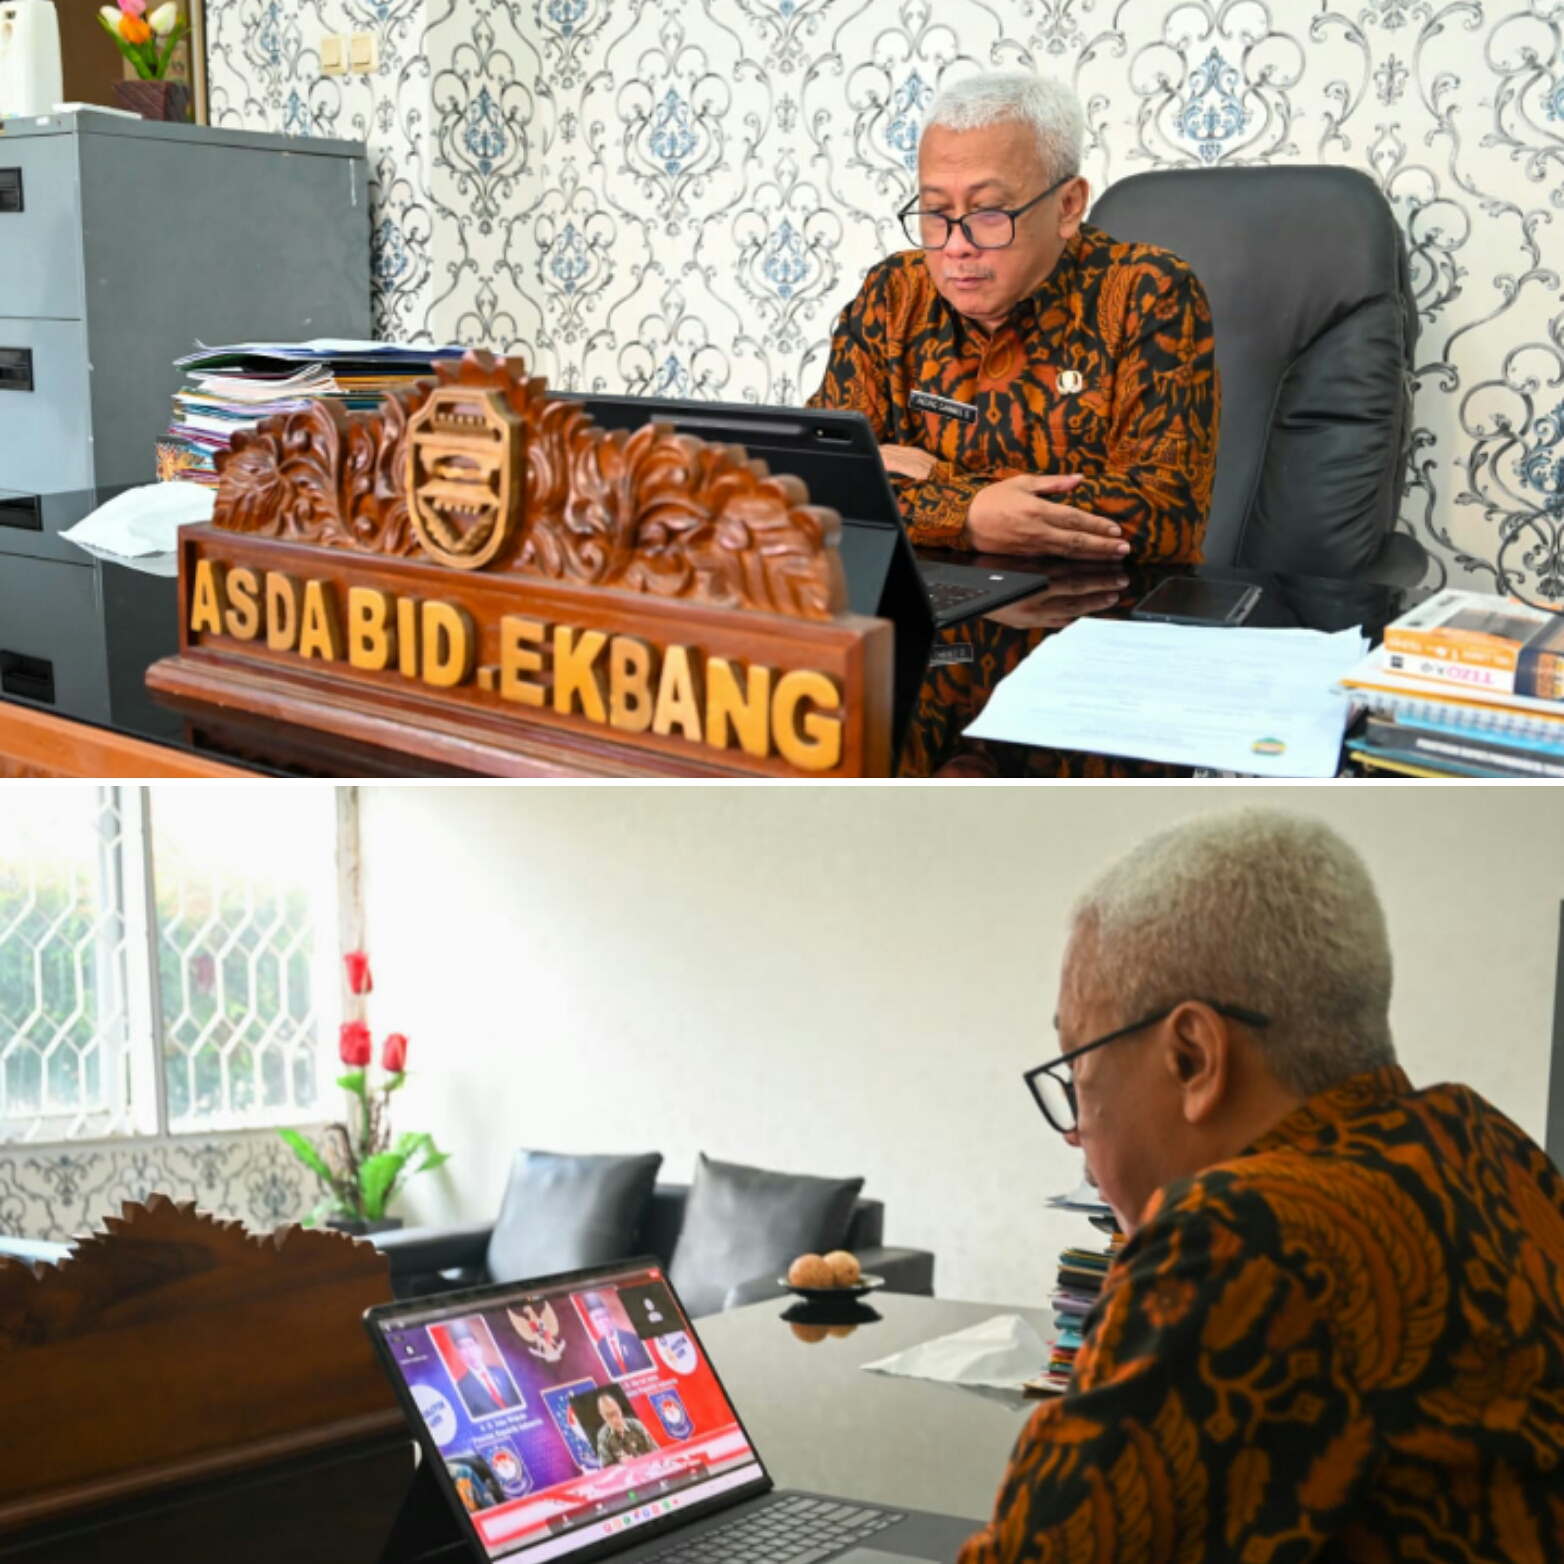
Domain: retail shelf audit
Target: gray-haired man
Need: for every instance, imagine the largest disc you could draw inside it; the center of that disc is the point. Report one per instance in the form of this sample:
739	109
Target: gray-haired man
1337	1330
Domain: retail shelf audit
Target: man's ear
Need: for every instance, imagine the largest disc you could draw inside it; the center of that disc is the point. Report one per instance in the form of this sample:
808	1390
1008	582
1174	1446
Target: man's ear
1073	201
1199	1057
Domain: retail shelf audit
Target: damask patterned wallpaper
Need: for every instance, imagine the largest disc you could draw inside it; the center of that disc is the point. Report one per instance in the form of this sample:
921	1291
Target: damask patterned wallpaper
676	196
54	1192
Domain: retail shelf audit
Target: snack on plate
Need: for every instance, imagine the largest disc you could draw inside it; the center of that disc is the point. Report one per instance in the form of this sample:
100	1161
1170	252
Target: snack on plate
844	1268
809	1270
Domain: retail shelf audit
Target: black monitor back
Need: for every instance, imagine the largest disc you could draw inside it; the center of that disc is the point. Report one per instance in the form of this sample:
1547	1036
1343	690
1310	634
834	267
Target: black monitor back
836	457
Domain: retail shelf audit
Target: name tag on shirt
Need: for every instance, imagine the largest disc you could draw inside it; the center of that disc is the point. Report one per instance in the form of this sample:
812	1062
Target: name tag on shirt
927	402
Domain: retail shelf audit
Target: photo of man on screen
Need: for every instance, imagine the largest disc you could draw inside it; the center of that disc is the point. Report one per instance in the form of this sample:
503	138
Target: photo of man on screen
481	1378
621	1350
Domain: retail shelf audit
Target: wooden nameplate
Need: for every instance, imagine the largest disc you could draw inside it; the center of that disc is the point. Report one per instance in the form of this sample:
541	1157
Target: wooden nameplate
174	1348
477	576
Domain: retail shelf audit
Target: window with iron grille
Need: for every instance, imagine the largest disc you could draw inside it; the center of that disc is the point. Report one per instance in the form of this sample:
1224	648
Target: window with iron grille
168	959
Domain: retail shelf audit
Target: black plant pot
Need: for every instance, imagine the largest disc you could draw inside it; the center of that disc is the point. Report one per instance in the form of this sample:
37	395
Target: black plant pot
359	1228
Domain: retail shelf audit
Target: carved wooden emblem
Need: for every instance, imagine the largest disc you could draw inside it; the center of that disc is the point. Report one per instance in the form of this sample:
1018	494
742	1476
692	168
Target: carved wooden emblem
464	475
478	576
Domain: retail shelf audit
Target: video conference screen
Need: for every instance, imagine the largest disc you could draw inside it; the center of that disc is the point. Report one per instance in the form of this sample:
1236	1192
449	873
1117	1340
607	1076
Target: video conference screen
568	1416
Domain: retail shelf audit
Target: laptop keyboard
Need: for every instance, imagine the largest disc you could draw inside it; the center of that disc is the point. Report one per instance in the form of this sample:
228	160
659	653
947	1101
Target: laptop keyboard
795	1530
946	595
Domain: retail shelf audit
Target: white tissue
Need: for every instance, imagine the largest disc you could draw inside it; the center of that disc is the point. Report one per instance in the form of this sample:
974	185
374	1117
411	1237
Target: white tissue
999	1353
145	520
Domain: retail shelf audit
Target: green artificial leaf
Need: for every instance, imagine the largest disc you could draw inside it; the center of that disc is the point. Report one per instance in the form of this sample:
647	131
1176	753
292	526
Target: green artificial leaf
377	1178
165	58
307	1154
353	1082
396	1083
422	1145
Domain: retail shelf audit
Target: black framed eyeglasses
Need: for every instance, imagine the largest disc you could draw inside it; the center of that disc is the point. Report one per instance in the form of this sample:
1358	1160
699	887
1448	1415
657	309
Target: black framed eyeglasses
1053	1084
989	229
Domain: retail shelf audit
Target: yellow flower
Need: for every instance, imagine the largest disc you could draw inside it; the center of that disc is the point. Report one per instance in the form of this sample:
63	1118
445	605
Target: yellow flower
163	20
133	30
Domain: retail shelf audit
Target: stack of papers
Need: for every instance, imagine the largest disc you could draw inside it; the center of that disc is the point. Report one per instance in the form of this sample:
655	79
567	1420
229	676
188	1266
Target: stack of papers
143	522
233	388
1001	1354
1255	702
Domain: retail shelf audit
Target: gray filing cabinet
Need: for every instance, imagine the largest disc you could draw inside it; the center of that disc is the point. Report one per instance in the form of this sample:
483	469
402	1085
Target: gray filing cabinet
123	242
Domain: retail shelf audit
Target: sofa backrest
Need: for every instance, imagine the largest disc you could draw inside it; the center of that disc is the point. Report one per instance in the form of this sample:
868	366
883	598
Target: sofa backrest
665	1216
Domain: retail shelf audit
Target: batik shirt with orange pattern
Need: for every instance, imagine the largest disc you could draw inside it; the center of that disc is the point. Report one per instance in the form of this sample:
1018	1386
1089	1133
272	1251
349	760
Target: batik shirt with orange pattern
1126	324
1347	1344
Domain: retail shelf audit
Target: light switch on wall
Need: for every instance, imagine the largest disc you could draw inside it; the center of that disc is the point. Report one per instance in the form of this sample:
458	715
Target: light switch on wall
333	58
361	51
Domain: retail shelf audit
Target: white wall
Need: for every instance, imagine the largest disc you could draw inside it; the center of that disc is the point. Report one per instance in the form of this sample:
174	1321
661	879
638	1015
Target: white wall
851	980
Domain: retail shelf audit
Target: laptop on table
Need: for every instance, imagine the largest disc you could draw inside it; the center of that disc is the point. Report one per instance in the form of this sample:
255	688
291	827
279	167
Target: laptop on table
838	458
578	1417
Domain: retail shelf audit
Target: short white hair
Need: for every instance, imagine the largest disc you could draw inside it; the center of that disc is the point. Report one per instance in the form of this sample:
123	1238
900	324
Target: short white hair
1046	104
1260	908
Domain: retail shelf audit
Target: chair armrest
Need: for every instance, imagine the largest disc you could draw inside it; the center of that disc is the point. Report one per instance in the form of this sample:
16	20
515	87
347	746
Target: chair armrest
417	1250
904	1270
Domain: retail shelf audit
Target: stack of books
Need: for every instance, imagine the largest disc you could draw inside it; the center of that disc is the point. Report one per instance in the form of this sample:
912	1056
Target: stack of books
233	388
1465	685
1082	1272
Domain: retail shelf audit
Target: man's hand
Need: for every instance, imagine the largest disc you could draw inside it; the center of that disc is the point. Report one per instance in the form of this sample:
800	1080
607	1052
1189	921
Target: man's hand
1063	601
907	461
1015	516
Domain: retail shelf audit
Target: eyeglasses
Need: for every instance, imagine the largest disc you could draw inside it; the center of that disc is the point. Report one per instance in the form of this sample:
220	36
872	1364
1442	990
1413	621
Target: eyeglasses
1053	1084
990	229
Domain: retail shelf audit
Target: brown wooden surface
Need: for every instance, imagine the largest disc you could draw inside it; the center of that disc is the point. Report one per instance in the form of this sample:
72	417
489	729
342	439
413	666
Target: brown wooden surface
174	1348
34	744
473	729
344	546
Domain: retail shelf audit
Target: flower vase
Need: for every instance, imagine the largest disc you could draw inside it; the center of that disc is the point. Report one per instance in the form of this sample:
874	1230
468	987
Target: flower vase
163	100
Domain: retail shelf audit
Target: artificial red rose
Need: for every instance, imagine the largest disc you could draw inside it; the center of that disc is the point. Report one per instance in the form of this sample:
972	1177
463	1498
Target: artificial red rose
355	1045
393	1057
359	980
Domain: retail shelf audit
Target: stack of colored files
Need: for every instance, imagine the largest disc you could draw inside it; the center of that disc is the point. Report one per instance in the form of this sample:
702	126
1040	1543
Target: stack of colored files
1465	685
234	388
1082	1273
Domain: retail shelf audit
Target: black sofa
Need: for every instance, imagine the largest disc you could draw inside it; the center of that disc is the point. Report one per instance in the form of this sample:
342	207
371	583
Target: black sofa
435	1259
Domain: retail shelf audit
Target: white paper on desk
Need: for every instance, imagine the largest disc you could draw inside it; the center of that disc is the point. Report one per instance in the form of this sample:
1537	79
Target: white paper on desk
143	521
1261	702
998	1354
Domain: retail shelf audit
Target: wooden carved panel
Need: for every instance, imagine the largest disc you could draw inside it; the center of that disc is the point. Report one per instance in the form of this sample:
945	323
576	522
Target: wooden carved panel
654	512
174	1346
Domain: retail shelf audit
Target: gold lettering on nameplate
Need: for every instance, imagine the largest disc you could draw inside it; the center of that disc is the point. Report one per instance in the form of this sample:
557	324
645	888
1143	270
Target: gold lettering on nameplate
604	678
206	599
371	640
450	645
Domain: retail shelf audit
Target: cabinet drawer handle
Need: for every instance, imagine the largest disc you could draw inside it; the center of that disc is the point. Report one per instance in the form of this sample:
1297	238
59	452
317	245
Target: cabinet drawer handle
24	512
31	678
10	190
16	369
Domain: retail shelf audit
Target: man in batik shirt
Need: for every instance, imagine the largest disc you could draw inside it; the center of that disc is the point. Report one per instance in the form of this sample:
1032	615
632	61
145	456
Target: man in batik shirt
1337	1330
1036	388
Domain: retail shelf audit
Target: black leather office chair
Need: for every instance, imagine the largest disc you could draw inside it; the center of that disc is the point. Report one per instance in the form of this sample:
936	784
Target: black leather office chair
1316	324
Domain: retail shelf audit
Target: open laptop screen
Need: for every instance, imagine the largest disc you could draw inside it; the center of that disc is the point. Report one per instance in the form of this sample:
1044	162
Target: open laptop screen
567	1412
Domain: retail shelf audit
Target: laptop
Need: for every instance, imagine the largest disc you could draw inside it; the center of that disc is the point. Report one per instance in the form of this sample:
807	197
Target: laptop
838	458
578	1417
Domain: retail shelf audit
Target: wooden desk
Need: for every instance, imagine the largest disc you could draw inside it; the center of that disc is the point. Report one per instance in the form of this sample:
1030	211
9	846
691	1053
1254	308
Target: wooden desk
130	618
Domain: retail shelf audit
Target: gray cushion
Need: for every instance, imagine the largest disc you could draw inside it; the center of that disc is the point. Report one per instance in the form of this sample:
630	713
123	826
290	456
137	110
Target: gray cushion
564	1212
745	1222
